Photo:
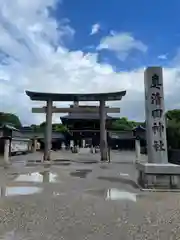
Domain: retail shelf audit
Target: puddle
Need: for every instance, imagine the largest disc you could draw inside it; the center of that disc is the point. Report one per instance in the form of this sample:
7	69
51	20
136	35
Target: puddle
58	194
89	162
38	161
37	177
63	163
81	173
124	174
62	160
114	194
104	167
14	191
12	236
120	180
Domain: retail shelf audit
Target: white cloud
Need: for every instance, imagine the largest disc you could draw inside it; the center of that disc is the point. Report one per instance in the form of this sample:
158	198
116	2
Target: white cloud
122	44
162	57
95	28
36	59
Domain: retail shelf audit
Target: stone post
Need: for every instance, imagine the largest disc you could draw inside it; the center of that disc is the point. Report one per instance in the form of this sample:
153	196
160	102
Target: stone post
76	103
34	145
138	150
155	116
6	151
30	146
103	135
83	143
48	131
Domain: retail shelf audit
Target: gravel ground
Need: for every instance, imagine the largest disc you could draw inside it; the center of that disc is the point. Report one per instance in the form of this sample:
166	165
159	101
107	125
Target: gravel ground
84	201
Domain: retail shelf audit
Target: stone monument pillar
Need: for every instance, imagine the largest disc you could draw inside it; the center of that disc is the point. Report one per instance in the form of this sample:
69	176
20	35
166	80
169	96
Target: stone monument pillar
103	135
48	131
155	116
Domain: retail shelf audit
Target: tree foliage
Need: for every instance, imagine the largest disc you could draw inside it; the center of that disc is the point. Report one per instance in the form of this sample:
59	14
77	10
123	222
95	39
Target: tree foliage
9	118
173	128
123	124
56	127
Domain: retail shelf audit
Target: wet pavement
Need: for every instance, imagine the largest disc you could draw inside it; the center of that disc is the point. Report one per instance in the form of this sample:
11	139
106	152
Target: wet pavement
44	176
82	173
84	201
14	191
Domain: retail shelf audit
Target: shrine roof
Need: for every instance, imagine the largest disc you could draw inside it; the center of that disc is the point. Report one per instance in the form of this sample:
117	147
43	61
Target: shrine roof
84	116
65	97
8	126
139	128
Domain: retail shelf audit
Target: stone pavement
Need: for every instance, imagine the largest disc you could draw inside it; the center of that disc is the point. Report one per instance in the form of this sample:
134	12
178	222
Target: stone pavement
78	199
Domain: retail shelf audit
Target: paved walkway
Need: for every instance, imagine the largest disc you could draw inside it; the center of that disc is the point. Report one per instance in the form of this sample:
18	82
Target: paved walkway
84	154
78	199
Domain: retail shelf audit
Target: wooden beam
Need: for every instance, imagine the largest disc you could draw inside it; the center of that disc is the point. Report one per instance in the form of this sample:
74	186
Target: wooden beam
76	110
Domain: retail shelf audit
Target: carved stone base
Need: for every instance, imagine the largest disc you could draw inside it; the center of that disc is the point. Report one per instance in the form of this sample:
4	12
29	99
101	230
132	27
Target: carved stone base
163	176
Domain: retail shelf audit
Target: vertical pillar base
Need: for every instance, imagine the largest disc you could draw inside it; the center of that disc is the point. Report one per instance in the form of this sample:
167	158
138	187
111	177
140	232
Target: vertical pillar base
138	150
48	131
103	135
104	152
47	158
6	160
34	145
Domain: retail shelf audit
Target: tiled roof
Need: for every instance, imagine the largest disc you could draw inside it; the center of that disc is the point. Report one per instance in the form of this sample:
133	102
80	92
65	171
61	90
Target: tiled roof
110	96
8	126
40	135
84	116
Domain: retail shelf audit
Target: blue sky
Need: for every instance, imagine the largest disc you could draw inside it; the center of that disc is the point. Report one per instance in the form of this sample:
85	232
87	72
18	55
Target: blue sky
87	46
154	22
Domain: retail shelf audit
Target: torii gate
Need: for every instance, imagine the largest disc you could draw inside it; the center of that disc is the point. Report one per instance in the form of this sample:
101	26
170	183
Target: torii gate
49	109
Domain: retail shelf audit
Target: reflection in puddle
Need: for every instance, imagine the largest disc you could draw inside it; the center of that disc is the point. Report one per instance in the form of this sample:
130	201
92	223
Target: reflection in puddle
13	191
12	236
81	173
124	174
37	177
121	179
114	194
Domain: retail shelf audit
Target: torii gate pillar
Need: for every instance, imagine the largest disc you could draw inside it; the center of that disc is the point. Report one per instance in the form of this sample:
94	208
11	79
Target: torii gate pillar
103	134
48	131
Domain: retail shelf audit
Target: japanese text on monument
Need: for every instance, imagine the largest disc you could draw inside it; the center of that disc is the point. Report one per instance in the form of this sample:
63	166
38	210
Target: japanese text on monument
157	113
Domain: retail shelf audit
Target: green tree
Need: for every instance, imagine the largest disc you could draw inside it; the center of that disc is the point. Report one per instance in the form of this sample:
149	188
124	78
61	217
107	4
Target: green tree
173	128
123	124
56	127
9	118
173	115
59	128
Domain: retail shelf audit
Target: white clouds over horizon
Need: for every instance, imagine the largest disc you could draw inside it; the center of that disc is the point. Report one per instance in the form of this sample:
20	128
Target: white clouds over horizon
34	57
122	44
